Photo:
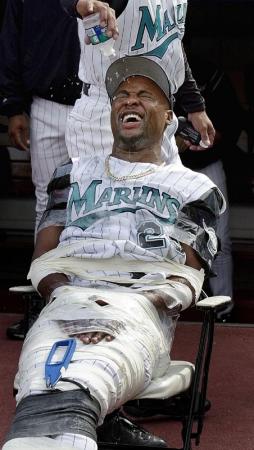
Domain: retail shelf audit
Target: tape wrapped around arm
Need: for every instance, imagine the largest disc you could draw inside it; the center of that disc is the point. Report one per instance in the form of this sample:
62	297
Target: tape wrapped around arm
176	296
60	261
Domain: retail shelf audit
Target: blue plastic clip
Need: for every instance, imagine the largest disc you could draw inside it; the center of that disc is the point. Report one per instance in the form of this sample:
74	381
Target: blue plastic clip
54	370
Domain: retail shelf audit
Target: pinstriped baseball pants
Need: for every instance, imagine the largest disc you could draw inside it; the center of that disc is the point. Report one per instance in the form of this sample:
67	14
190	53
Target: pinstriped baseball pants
223	266
47	146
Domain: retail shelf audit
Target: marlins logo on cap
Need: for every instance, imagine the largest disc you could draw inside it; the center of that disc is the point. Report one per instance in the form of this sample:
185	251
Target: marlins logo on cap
130	66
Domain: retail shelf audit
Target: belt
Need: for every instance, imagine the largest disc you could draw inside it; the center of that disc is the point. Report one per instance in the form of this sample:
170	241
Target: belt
66	94
64	100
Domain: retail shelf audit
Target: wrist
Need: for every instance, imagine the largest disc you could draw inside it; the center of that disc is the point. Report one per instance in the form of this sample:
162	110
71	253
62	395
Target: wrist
184	281
50	283
54	294
13	111
197	110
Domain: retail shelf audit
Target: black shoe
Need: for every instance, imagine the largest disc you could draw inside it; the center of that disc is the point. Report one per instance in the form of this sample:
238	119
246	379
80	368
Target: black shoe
175	408
17	331
224	315
223	318
119	430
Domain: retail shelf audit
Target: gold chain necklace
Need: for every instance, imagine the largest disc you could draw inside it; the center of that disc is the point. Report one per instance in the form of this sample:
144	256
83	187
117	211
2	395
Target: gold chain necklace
129	177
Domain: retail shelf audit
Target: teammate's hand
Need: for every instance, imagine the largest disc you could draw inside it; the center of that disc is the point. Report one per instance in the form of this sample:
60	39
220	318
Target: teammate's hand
18	130
201	122
94	338
107	15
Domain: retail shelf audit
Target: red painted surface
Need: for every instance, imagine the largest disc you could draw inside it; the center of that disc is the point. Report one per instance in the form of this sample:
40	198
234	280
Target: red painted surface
228	425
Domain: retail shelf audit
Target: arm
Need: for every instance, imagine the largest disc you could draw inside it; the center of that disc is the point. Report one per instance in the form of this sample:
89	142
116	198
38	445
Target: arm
48	239
51	226
83	8
188	95
14	102
197	223
180	293
71	6
193	104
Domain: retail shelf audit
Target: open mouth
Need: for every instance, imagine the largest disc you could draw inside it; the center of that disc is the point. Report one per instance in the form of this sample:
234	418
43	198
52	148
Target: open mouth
130	118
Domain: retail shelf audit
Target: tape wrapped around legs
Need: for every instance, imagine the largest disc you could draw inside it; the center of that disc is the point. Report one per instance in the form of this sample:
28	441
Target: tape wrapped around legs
55	413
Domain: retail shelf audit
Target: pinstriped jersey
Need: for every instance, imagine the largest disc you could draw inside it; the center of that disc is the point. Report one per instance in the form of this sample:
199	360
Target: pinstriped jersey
150	28
133	218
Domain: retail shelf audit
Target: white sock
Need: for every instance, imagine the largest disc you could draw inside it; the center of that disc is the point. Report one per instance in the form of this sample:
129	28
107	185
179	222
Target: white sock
76	441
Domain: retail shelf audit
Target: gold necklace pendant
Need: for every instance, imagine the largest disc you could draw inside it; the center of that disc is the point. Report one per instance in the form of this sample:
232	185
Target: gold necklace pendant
128	177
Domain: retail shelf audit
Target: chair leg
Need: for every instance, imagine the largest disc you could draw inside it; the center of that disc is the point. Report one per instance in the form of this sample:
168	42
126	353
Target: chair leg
200	381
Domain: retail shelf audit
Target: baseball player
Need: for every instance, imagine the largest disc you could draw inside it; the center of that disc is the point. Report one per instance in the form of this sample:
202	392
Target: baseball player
120	272
216	88
153	29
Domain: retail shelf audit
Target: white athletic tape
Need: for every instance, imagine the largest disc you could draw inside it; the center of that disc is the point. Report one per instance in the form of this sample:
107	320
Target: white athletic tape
38	443
113	371
58	261
179	295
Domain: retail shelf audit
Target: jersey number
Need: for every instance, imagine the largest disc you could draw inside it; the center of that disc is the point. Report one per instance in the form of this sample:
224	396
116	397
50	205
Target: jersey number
148	235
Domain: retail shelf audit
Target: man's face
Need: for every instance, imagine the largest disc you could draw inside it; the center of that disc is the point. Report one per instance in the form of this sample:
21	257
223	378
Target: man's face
139	114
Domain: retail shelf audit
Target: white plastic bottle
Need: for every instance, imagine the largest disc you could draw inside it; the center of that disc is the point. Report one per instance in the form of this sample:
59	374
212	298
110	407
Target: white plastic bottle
97	34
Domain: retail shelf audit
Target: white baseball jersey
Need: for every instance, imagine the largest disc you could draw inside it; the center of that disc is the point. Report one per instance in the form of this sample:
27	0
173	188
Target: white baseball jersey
153	29
132	218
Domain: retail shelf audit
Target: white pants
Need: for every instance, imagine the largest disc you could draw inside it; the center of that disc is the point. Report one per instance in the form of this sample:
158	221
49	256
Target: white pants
223	266
115	371
47	146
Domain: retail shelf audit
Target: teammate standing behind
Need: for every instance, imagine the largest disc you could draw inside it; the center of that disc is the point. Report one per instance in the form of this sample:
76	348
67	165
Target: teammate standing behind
224	110
153	29
39	53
